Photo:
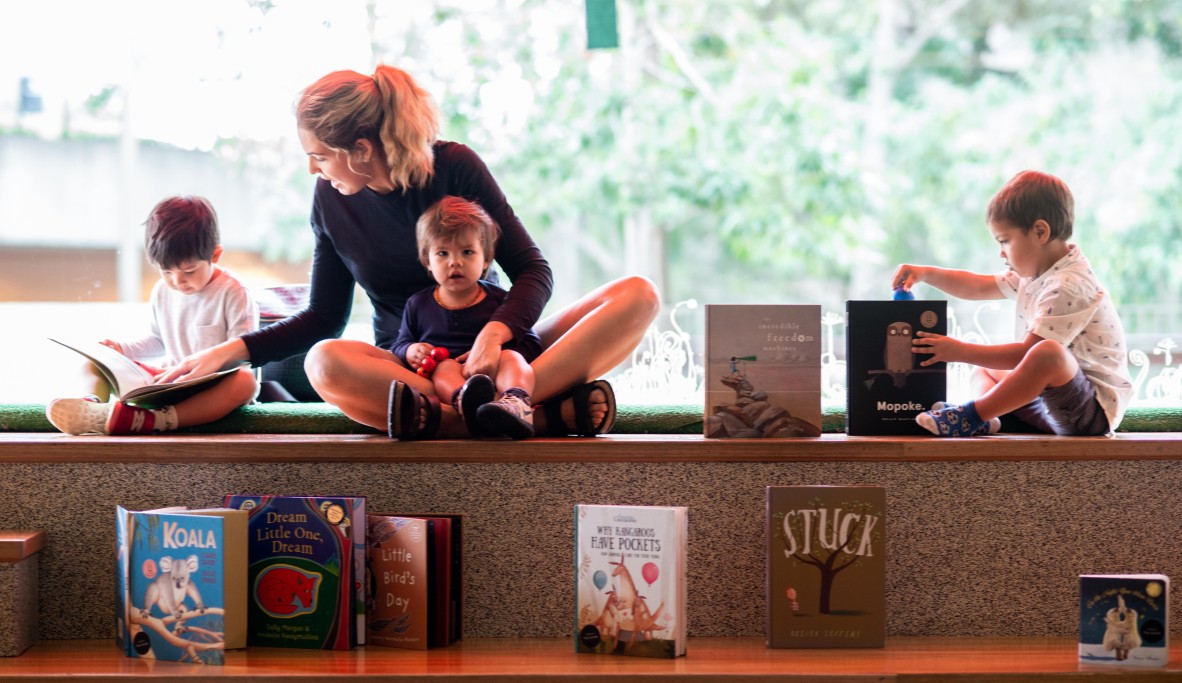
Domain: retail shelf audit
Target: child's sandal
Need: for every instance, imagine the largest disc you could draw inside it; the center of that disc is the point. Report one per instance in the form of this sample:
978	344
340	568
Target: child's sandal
581	395
411	415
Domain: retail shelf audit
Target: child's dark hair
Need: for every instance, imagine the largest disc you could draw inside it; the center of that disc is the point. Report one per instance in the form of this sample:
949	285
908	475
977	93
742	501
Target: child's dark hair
449	216
179	230
1030	196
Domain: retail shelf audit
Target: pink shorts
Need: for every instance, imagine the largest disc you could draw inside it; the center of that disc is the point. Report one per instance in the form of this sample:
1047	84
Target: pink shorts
1068	410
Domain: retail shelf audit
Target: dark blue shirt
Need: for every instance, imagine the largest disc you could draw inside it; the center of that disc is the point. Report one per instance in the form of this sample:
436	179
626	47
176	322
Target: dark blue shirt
424	320
369	239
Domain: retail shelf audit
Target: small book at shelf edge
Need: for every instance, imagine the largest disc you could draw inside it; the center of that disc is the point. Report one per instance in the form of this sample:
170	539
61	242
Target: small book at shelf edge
134	385
1124	619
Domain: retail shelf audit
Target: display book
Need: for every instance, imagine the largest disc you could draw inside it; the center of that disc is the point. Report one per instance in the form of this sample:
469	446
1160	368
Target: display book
630	580
180	583
826	566
133	384
415	575
886	387
1124	619
762	370
306	572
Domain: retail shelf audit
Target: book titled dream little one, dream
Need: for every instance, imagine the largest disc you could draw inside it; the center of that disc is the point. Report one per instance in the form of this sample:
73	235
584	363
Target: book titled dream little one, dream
630	573
1123	619
763	370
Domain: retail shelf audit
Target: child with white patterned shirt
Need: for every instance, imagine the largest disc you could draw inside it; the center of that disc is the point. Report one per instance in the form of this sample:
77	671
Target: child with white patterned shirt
1068	373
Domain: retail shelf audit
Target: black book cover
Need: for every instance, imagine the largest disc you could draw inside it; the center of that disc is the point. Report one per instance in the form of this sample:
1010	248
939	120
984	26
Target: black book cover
885	385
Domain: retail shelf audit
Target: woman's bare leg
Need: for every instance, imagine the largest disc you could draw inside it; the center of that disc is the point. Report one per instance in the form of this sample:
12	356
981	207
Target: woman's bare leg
355	376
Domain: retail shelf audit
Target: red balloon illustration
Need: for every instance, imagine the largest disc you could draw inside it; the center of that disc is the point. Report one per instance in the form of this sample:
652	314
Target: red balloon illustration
650	572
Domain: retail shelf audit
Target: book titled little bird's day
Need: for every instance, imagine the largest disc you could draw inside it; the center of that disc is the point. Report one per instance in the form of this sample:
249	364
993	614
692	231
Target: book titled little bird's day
630	580
1123	619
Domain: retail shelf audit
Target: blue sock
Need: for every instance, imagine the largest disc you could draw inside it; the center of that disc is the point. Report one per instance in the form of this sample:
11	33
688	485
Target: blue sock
961	420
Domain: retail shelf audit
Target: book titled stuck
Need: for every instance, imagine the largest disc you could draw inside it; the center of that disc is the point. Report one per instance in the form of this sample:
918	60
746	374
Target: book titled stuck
180	583
886	386
630	580
1123	619
763	370
826	566
134	385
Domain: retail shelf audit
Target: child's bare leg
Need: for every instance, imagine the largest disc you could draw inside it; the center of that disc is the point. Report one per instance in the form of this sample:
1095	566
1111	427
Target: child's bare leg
511	414
1047	364
447	378
214	403
514	373
355	377
981	380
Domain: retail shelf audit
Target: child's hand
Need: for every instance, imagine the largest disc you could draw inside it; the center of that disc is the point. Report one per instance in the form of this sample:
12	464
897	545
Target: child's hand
415	353
112	345
941	348
907	275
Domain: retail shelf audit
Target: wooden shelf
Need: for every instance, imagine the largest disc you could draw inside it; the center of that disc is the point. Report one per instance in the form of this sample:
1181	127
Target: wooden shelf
918	660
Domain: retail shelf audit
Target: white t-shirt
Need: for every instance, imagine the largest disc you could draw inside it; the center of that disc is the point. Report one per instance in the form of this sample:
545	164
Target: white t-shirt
1067	304
183	324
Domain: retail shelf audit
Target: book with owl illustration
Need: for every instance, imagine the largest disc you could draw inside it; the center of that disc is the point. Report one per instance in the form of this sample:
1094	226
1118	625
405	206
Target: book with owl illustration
886	387
1123	619
763	370
306	576
414	574
826	566
630	580
180	581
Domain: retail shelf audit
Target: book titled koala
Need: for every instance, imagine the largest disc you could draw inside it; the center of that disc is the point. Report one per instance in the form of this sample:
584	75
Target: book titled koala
180	583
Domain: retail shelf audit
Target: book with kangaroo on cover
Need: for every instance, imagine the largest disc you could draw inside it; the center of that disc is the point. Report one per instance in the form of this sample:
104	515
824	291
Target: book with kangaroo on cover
1124	619
763	370
134	385
630	580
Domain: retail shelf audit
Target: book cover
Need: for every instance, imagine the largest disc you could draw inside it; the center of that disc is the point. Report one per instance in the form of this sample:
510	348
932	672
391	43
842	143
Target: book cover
826	566
306	572
886	387
763	370
1124	619
132	384
178	578
630	580
414	578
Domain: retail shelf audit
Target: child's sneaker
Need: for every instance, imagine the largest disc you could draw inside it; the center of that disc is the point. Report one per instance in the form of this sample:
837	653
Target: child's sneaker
125	419
510	415
961	420
85	415
476	391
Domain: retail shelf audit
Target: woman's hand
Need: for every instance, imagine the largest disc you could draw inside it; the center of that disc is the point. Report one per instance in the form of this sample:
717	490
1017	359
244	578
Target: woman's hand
215	358
485	354
937	347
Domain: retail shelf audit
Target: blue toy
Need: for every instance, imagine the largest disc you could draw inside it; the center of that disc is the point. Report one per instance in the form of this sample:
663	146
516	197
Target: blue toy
903	295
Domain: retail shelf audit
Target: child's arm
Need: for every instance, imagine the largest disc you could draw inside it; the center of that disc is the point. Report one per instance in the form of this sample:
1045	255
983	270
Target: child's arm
961	284
939	348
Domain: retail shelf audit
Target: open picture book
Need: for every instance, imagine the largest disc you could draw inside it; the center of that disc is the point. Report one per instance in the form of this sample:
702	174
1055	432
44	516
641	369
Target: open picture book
132	384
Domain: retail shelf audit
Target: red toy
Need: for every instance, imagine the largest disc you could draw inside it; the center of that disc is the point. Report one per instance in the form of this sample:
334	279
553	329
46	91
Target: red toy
437	355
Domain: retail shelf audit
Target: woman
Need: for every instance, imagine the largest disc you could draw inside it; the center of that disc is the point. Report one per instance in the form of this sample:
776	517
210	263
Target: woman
374	143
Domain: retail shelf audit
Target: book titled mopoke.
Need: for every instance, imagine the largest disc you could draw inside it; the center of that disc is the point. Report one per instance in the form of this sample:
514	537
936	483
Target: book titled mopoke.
826	566
763	370
180	582
1124	619
415	583
307	570
886	387
630	580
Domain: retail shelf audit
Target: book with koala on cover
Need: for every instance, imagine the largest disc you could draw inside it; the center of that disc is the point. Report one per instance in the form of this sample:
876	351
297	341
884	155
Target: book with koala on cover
885	385
826	566
415	586
763	370
180	583
1124	619
630	580
306	576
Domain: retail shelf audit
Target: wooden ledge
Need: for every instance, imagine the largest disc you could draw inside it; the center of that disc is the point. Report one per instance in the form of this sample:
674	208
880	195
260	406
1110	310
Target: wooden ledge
37	447
17	545
967	660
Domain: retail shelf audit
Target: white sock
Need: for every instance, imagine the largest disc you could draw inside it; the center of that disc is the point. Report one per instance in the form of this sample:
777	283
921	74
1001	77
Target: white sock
166	419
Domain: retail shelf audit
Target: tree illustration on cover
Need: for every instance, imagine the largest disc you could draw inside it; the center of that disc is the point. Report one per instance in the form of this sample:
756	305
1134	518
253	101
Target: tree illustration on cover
752	415
830	540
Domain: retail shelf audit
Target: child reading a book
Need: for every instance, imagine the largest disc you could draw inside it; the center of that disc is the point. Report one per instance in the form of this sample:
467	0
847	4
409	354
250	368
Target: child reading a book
1068	373
195	304
456	241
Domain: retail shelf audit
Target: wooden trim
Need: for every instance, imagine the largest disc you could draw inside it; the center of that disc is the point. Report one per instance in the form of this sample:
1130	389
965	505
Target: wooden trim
967	660
17	545
48	447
